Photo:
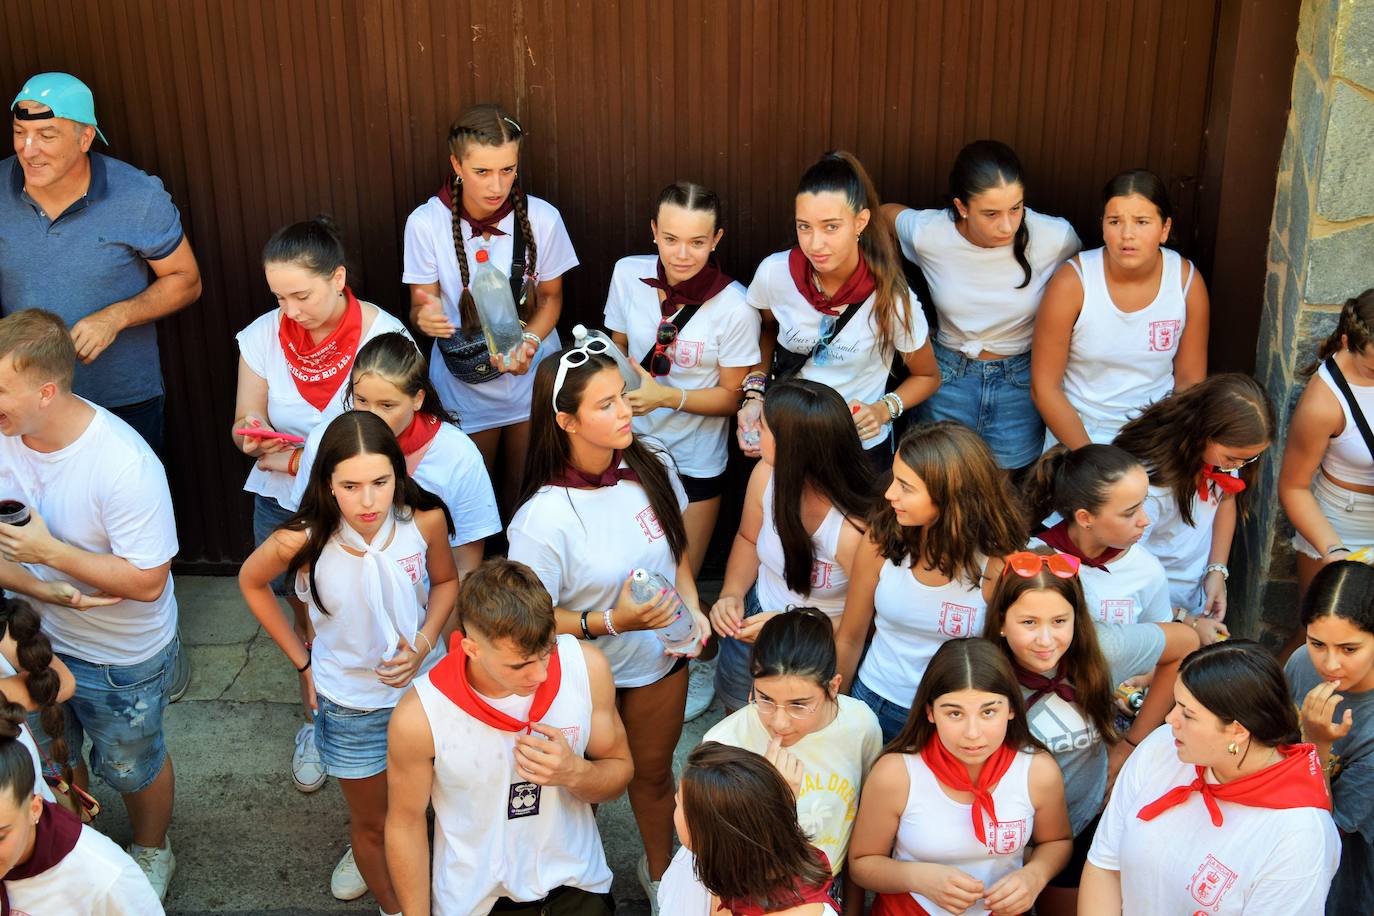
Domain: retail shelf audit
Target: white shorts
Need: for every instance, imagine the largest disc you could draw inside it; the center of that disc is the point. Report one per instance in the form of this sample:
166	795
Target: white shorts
1351	514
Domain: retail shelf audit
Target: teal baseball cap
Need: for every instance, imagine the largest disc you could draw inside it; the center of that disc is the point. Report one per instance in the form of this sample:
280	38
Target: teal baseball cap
64	94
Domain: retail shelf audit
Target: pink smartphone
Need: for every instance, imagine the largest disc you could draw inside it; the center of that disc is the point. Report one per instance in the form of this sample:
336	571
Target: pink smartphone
269	434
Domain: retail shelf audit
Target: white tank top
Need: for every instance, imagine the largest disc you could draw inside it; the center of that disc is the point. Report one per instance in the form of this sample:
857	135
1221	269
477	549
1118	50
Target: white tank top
829	583
939	830
496	835
354	636
912	621
1121	361
1347	457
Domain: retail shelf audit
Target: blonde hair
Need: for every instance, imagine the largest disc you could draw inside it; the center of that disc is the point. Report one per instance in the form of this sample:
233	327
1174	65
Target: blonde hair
40	345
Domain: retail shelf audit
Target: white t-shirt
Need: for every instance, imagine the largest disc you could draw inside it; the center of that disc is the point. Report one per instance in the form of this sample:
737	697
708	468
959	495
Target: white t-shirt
858	368
287	411
582	544
975	289
104	493
96	878
679	891
451	468
1259	861
835	762
723	333
1132	589
1181	549
431	258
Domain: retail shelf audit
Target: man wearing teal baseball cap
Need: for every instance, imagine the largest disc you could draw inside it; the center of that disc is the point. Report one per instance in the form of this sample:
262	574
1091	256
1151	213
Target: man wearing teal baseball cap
95	240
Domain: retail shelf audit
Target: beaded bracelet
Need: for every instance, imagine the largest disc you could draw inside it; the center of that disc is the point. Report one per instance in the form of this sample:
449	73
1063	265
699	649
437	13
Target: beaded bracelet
755	381
606	619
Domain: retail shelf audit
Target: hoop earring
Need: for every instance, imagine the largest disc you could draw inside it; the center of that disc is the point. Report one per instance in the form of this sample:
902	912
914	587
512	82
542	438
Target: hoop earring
1232	749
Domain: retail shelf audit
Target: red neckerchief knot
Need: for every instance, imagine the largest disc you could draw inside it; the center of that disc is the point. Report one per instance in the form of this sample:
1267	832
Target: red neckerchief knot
855	290
319	370
952	773
450	677
1225	482
697	289
1294	782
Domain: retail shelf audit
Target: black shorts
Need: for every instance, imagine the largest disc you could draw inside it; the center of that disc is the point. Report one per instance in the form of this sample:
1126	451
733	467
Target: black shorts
1072	873
700	489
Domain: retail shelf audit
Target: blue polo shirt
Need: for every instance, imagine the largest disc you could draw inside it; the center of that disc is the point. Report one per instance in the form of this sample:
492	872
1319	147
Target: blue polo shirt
93	254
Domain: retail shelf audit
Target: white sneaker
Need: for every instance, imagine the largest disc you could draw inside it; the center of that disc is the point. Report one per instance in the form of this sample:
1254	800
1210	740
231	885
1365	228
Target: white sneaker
650	885
158	864
307	770
347	882
701	688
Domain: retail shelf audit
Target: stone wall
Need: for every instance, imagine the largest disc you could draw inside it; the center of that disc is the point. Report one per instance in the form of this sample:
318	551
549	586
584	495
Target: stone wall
1321	252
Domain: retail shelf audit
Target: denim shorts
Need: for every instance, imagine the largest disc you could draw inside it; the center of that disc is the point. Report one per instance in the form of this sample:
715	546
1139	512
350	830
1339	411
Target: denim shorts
119	707
733	683
268	516
992	397
891	717
351	742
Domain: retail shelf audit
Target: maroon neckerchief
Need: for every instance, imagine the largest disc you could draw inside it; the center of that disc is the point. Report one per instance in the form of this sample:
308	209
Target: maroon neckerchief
1058	538
1225	482
855	290
1041	685
481	225
697	289
450	677
614	474
57	832
1294	782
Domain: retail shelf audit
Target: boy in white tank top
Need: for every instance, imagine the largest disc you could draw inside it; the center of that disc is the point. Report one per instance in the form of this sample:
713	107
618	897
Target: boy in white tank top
514	737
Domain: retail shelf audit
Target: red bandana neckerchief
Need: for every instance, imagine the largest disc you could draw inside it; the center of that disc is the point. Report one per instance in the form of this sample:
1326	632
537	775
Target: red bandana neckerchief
1294	782
1042	685
1225	482
319	370
450	677
697	289
1058	538
898	905
855	290
419	434
614	474
57	832
953	774
819	893
481	225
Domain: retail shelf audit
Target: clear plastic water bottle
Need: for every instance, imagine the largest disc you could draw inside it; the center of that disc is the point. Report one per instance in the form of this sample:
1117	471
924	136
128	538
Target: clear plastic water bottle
490	289
582	335
682	631
752	438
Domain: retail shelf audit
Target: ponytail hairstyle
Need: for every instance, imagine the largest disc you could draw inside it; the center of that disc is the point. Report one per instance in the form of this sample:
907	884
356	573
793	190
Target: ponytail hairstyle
799	643
1356	325
1065	481
394	357
691	196
1239	681
841	171
814	430
976	505
1143	182
550	450
742	829
17	775
981	166
313	245
488	124
356	432
1083	664
34	652
1170	436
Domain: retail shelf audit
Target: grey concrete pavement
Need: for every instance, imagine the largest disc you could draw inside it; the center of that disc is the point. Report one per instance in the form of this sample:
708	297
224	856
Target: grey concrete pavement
245	840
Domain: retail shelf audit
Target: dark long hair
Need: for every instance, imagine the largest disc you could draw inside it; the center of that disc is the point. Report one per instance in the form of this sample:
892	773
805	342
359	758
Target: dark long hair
1343	589
1239	681
963	664
488	124
17	775
817	447
313	245
1065	480
742	821
1356	324
34	653
799	643
1143	182
394	357
1083	664
356	432
981	166
1170	436
550	451
840	171
976	504
691	196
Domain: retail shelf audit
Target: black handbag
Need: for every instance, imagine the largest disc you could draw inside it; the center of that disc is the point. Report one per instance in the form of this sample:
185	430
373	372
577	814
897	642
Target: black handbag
787	364
466	355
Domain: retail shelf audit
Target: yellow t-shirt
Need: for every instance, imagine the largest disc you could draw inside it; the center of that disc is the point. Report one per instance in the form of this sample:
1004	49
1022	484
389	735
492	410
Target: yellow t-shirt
835	761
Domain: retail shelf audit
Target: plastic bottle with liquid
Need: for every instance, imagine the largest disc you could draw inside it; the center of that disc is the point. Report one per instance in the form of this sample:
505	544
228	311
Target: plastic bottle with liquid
490	290
682	632
582	335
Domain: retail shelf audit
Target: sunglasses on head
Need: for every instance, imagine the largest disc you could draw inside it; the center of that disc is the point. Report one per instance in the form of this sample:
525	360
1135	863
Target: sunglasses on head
574	357
1027	564
661	363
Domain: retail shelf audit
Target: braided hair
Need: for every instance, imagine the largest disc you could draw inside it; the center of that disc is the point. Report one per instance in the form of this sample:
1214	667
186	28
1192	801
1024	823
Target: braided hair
488	124
1356	325
20	621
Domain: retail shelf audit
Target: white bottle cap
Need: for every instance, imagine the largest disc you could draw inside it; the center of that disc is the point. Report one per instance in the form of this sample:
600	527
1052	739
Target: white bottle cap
579	334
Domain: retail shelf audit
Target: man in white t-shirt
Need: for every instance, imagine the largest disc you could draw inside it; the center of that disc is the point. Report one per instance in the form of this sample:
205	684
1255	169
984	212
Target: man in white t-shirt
513	737
94	553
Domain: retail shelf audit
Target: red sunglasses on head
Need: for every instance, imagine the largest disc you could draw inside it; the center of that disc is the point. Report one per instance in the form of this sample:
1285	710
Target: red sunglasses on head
1026	564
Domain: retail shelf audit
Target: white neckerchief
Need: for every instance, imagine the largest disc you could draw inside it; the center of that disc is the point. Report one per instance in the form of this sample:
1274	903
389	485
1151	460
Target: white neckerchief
388	592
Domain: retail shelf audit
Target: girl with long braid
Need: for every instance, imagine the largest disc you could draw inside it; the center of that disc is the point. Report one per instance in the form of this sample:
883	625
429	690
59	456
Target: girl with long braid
33	678
482	208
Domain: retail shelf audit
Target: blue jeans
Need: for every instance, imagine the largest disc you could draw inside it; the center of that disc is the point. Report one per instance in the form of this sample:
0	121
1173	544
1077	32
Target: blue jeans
268	516
891	717
351	742
733	682
991	397
119	707
146	417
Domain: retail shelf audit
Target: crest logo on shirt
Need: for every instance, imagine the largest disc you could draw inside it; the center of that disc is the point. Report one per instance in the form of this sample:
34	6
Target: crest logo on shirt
523	800
1007	837
414	567
648	523
1164	335
687	353
821	573
1115	610
571	733
1211	881
957	620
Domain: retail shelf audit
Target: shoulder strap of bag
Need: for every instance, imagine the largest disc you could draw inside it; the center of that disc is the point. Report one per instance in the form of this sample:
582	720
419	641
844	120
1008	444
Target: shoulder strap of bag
517	265
679	321
840	322
1349	396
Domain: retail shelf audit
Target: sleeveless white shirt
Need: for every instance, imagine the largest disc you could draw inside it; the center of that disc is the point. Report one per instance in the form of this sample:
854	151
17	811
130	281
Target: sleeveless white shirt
829	583
1347	457
496	835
